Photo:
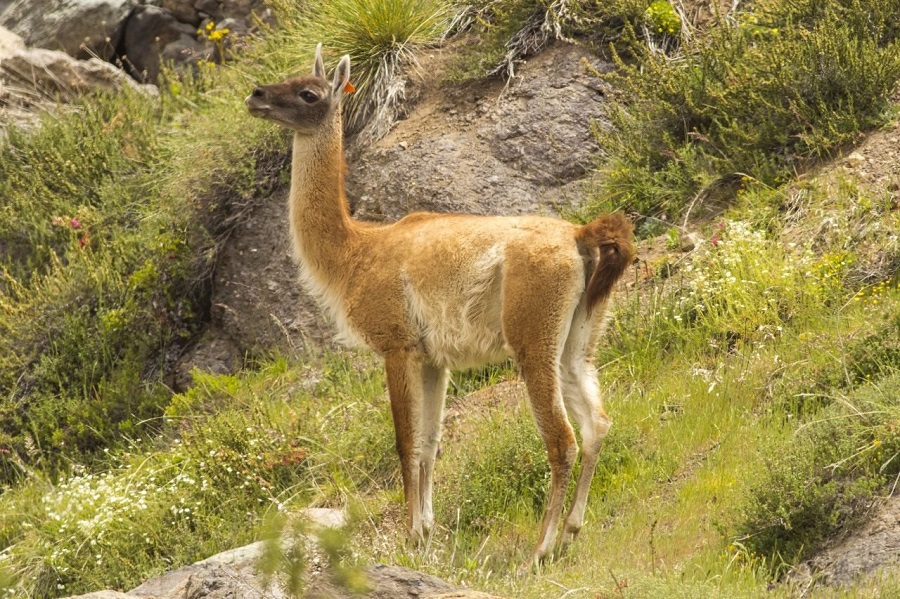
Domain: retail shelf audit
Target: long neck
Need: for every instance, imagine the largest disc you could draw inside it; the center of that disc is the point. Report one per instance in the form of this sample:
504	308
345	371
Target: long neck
320	220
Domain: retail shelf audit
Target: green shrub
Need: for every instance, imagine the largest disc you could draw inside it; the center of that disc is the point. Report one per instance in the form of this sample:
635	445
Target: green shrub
98	281
233	449
828	476
763	99
661	18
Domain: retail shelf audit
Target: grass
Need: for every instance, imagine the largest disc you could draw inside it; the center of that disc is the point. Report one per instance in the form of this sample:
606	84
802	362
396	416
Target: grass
382	39
232	451
113	215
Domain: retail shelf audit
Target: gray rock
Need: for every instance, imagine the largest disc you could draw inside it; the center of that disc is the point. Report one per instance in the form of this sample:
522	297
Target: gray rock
10	43
153	33
207	581
183	10
81	28
393	582
258	302
55	72
215	353
240	10
519	150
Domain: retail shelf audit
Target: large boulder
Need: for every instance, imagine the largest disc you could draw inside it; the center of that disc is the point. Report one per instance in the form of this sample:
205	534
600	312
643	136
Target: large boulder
489	149
153	34
81	28
57	74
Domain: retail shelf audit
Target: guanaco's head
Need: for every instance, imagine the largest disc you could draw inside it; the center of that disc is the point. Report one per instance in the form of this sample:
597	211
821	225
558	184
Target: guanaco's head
303	104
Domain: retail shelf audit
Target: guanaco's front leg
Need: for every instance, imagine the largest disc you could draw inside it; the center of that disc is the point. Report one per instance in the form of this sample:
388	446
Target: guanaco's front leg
404	378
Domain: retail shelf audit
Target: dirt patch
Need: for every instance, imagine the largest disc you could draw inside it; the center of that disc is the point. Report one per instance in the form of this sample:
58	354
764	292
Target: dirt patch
851	558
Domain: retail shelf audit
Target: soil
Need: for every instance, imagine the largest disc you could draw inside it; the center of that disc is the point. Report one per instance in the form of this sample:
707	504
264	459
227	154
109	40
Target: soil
862	552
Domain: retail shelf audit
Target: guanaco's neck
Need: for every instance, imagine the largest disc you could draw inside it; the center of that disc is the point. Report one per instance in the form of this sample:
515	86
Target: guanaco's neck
320	219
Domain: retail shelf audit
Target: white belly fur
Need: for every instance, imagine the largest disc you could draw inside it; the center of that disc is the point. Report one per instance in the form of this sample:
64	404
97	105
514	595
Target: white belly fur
464	329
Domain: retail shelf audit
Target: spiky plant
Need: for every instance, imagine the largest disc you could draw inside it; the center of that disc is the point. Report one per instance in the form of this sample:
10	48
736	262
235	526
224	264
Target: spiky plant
381	37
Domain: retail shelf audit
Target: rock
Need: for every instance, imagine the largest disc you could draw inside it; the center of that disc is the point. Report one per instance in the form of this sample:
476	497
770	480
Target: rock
393	582
858	554
55	72
258	302
10	43
215	353
232	574
854	160
80	28
240	10
206	580
521	153
153	33
183	10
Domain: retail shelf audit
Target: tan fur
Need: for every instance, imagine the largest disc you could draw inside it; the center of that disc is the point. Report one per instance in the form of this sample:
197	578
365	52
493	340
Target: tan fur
435	292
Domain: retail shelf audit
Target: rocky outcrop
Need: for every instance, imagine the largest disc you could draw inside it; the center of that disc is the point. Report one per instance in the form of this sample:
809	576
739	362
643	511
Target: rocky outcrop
59	75
487	149
233	574
80	28
35	81
152	35
479	148
136	34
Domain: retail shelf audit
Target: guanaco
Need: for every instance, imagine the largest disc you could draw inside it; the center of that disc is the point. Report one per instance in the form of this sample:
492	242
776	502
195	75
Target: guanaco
435	292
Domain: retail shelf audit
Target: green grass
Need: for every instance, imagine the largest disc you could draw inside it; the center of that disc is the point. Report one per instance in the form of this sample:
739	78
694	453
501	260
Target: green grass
112	218
232	451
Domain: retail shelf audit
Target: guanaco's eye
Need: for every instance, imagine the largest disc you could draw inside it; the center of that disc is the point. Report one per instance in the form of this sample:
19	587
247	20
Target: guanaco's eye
308	96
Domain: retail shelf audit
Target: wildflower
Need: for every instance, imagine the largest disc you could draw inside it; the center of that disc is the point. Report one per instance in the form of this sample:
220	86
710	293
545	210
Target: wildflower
84	239
75	223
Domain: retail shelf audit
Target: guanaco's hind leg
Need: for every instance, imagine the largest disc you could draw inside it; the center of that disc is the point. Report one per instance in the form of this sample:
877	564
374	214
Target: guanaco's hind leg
559	439
434	387
404	378
581	393
536	324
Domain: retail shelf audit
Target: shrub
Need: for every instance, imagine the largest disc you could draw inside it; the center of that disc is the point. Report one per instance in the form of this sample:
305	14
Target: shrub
829	475
233	450
762	98
98	281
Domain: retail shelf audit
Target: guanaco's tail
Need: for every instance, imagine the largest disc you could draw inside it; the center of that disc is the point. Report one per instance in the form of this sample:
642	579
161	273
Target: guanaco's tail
610	237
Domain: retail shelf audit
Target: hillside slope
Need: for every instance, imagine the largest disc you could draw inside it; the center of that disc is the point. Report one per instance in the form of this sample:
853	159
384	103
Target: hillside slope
750	364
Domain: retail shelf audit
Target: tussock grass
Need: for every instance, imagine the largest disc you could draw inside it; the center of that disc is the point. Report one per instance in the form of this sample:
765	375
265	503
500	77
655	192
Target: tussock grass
382	39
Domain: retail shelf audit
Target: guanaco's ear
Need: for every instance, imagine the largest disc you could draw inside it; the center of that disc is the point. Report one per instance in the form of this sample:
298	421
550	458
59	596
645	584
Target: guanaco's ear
341	77
318	63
